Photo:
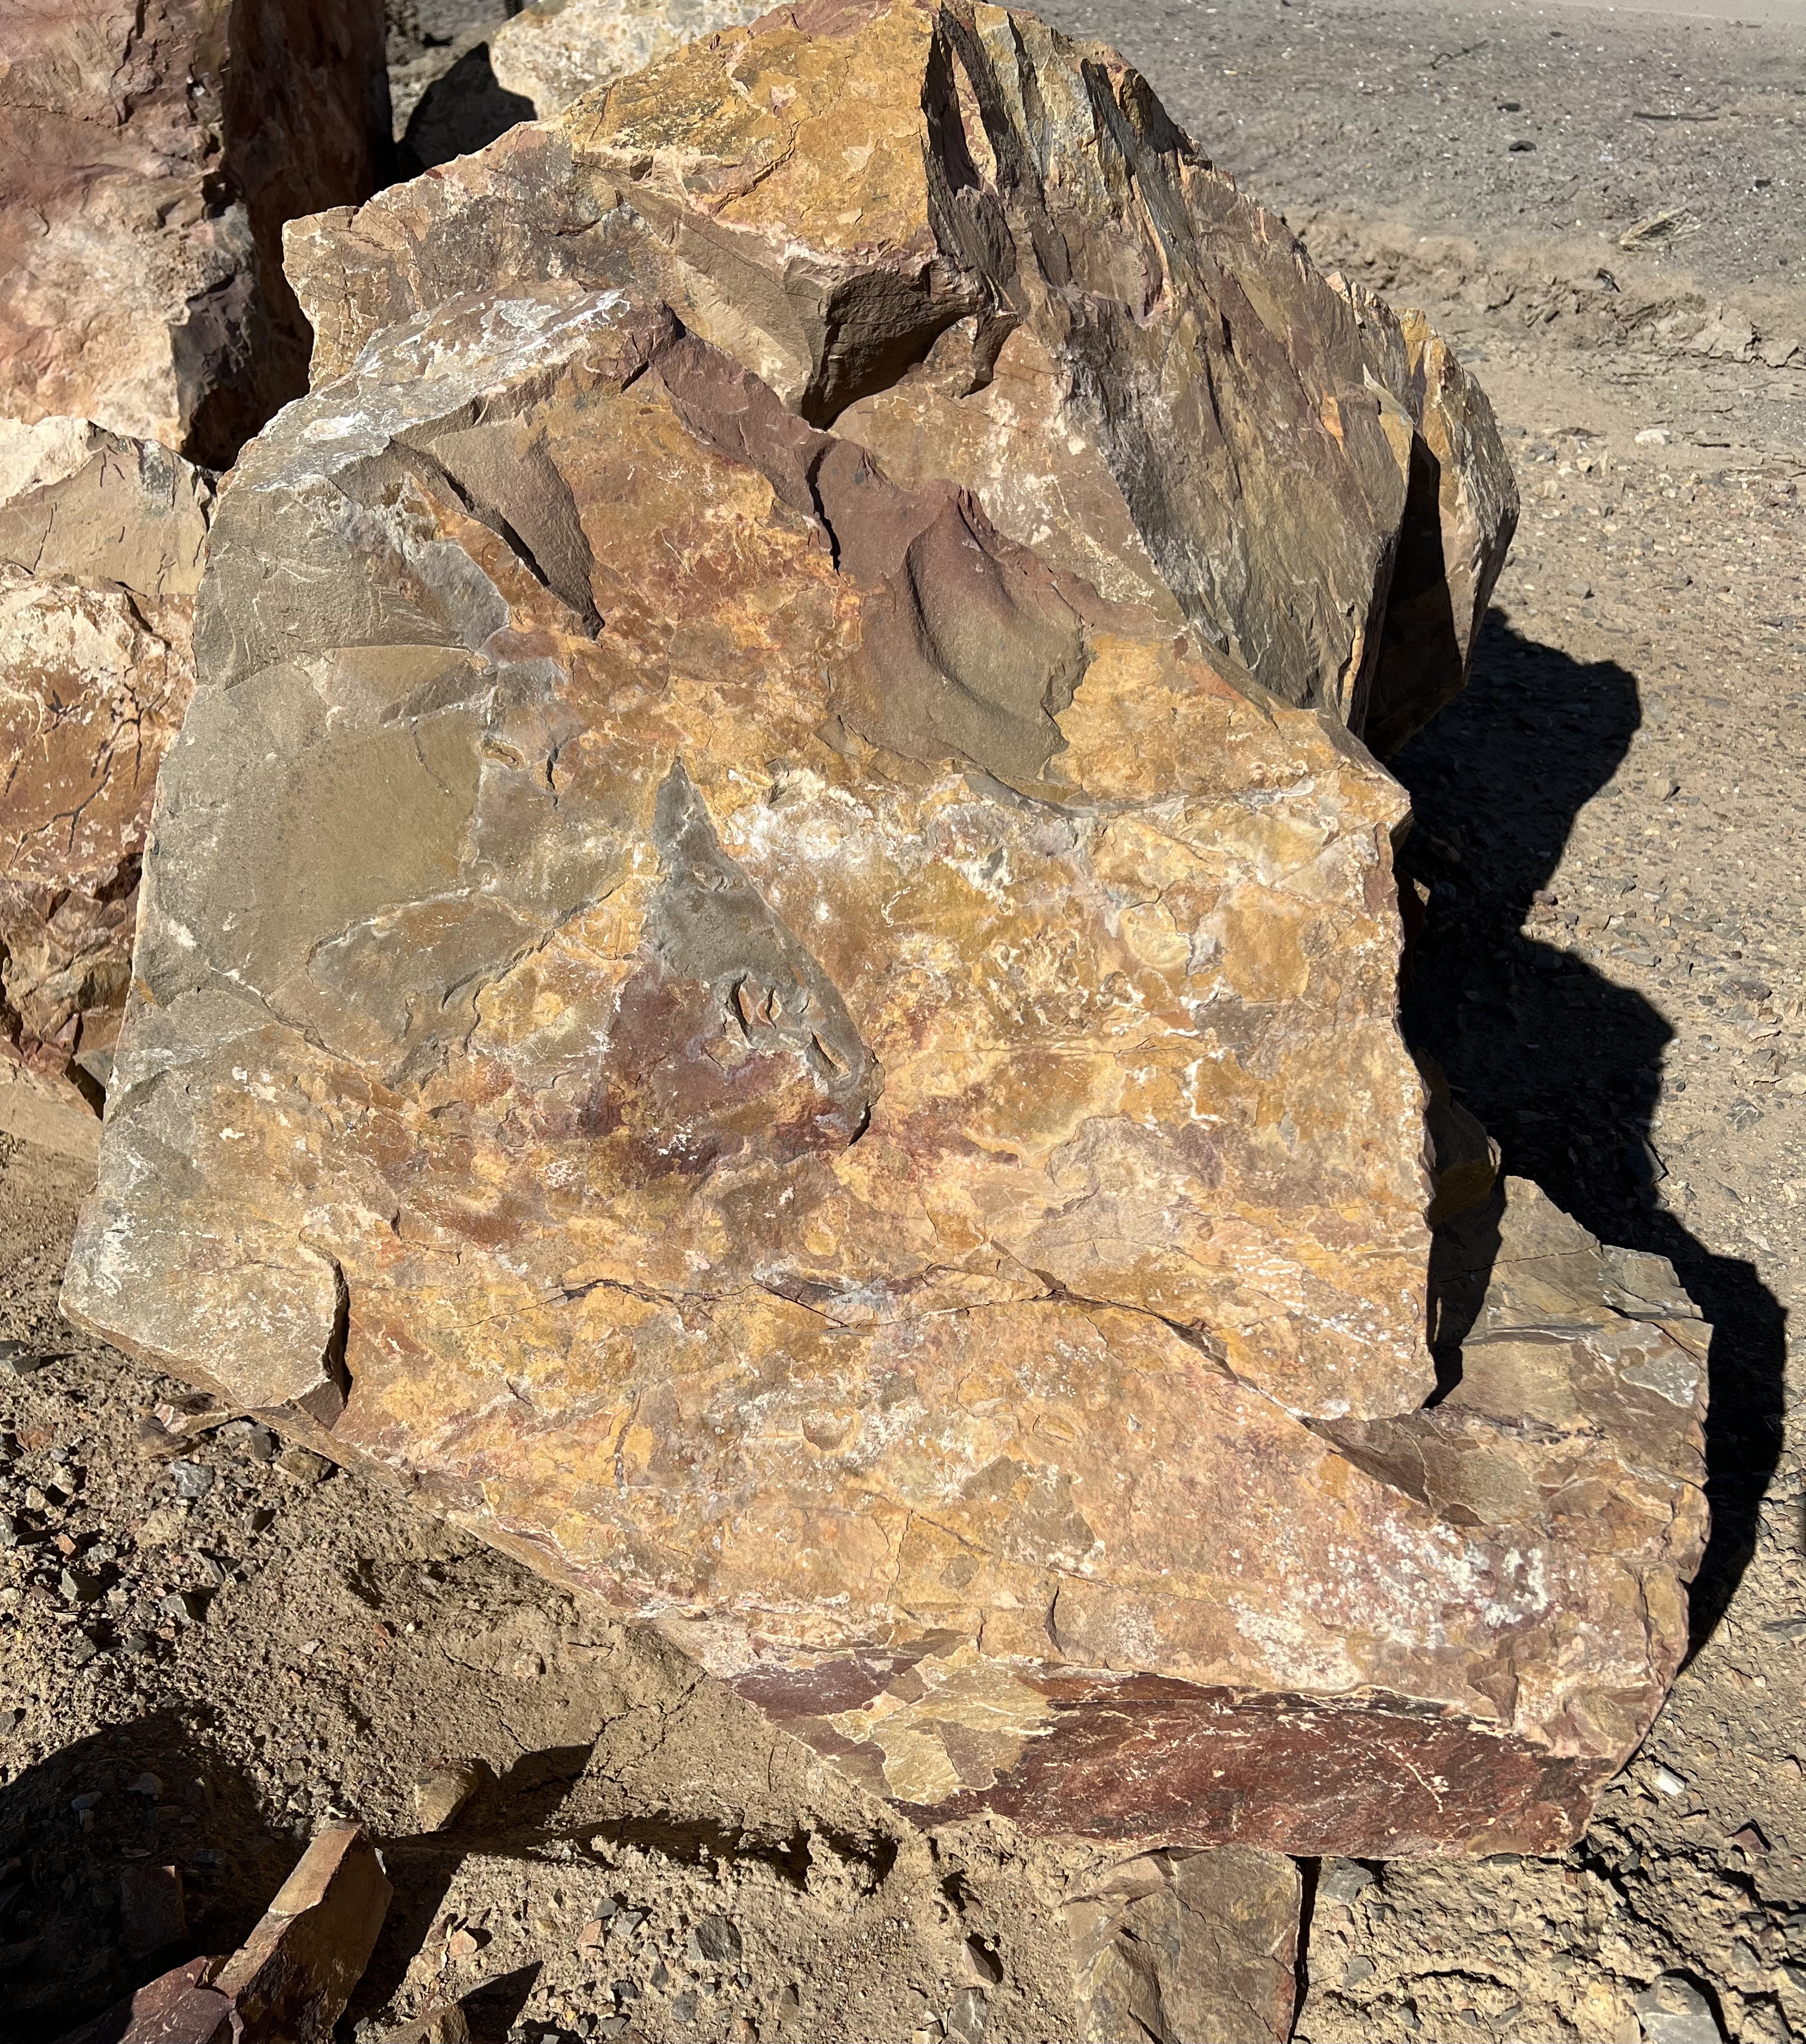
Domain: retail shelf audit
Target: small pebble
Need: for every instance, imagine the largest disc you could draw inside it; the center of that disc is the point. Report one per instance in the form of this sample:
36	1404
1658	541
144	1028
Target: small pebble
193	1479
1670	1783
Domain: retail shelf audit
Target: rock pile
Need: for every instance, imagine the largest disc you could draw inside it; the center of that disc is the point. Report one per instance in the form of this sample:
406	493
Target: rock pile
769	965
148	160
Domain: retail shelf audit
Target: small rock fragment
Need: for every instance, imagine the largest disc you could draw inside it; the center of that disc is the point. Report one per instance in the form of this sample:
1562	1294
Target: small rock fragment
302	1464
448	2025
442	1792
1342	1882
1673	2010
1667	1781
715	1940
193	1480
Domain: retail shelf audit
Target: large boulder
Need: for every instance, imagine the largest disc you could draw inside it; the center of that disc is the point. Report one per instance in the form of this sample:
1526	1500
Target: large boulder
817	1069
101	541
149	156
985	253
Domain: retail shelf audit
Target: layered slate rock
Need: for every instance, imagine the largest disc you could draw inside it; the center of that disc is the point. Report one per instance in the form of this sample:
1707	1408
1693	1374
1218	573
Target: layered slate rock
149	156
792	1058
101	541
986	253
555	52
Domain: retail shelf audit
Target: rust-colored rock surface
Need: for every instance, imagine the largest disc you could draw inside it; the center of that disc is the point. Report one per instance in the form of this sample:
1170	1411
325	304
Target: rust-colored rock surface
985	253
821	1071
149	155
555	52
101	541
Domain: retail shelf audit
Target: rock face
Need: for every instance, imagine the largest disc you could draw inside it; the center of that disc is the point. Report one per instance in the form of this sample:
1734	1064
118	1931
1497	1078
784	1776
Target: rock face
985	254
101	545
557	51
149	156
797	1060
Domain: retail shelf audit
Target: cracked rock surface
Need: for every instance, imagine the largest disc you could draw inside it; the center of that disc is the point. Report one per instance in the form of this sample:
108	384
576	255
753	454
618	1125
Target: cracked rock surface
820	1058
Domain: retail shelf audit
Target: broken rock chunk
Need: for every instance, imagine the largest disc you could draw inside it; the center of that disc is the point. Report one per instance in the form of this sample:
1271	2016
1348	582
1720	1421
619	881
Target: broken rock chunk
984	252
179	2007
1177	1946
805	1067
151	1908
442	1792
152	157
101	541
289	1982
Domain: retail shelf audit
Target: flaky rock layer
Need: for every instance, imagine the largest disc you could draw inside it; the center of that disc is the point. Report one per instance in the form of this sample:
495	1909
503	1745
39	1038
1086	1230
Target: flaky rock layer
984	252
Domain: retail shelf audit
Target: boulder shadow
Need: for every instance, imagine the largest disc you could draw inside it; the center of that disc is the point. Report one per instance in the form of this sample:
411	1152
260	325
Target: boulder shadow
146	1794
1563	1066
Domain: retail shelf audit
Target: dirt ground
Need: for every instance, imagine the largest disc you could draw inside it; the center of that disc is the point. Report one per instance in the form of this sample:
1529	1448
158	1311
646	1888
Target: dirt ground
209	1643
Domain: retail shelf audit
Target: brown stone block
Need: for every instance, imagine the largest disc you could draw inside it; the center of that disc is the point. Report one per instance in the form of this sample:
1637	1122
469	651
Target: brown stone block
289	1982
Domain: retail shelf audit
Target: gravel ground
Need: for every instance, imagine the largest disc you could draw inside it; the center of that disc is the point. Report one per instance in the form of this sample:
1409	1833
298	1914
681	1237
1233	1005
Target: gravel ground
208	1644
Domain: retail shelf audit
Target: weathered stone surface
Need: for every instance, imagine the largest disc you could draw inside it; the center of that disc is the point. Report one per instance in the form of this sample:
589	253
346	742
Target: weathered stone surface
101	545
984	252
149	155
795	1061
1177	1946
555	52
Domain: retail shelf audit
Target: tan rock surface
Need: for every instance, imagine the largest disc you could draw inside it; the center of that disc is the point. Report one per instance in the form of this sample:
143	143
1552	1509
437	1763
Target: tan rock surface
1174	1946
555	52
858	202
149	155
101	545
801	1066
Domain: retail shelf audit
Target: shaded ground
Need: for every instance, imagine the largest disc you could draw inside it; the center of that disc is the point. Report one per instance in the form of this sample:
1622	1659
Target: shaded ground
1613	973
